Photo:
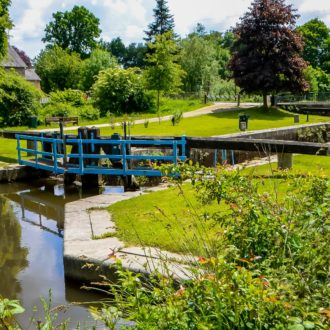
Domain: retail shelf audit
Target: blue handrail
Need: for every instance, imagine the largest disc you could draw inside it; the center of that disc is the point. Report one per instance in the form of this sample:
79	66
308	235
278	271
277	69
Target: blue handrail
55	161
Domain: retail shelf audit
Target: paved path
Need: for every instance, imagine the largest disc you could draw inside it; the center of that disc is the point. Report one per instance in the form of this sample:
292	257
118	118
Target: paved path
215	108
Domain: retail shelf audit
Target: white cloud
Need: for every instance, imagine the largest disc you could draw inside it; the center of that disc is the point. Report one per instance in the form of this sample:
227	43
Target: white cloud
32	20
312	6
188	13
129	18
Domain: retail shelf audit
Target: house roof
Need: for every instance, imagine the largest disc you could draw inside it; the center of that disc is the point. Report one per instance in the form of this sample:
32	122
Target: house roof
31	75
13	60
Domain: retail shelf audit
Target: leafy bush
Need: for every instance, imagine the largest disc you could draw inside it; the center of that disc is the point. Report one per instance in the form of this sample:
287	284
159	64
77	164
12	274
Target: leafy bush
19	99
121	91
267	267
59	110
98	60
88	112
314	134
74	97
58	69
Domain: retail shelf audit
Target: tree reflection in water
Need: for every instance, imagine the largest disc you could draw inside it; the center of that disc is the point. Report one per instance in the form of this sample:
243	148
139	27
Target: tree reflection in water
13	257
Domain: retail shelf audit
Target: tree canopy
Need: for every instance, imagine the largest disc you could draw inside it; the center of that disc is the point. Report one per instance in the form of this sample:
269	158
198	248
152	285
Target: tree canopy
5	24
316	36
163	21
19	99
119	91
266	53
75	30
130	56
58	69
198	59
98	60
162	73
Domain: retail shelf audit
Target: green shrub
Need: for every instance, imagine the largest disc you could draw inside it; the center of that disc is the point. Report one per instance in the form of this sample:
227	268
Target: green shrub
121	91
267	267
58	69
19	99
59	110
74	97
88	112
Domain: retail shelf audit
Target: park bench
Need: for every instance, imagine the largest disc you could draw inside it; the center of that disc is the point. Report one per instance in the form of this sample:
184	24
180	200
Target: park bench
73	120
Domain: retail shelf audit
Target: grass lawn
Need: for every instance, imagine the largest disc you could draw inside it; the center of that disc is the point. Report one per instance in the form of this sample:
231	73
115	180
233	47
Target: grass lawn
207	125
317	165
8	152
219	123
172	220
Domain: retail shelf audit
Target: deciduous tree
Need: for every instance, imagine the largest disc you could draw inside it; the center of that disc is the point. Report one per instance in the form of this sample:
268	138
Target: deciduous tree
75	30
58	69
116	47
5	25
98	60
316	36
163	73
135	54
199	61
266	53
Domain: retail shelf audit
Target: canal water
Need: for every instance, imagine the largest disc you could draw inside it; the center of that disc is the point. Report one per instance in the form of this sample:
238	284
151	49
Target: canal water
31	251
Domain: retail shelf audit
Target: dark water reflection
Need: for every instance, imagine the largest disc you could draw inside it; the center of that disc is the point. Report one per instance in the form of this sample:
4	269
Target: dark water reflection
31	249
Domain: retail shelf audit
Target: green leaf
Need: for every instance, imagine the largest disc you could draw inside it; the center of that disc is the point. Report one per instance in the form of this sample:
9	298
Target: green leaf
296	327
308	325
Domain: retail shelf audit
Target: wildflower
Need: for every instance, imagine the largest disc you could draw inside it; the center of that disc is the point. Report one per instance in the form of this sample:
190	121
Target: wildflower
326	312
202	260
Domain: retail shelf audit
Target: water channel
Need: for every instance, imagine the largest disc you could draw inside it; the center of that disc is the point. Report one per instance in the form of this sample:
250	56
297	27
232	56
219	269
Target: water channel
31	250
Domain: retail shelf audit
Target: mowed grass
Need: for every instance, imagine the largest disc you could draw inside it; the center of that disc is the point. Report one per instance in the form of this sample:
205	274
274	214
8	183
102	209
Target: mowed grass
206	125
302	164
167	107
8	152
173	219
219	123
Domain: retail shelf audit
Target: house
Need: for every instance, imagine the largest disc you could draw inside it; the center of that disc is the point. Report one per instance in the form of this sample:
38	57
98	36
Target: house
14	61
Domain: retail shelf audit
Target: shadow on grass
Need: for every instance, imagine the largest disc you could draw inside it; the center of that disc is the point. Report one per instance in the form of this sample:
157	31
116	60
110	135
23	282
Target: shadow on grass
255	114
8	160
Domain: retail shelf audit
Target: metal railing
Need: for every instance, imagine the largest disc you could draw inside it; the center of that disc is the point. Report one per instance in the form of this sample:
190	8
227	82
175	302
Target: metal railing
85	156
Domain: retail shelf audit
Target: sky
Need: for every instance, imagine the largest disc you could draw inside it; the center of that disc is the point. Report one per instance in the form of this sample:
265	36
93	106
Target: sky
128	19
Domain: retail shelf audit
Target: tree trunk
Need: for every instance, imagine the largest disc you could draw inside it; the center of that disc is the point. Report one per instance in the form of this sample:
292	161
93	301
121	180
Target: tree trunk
264	97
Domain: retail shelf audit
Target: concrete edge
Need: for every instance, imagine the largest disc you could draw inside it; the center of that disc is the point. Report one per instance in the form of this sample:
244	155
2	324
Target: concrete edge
88	259
277	131
15	172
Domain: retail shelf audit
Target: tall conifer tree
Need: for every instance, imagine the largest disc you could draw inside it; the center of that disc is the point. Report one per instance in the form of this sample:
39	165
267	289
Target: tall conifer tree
164	21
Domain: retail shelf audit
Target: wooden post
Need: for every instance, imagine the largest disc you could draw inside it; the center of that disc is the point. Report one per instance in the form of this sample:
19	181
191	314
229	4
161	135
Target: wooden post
284	161
30	145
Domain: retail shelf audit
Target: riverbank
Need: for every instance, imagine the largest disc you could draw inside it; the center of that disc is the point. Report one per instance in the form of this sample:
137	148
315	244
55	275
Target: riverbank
91	250
15	172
